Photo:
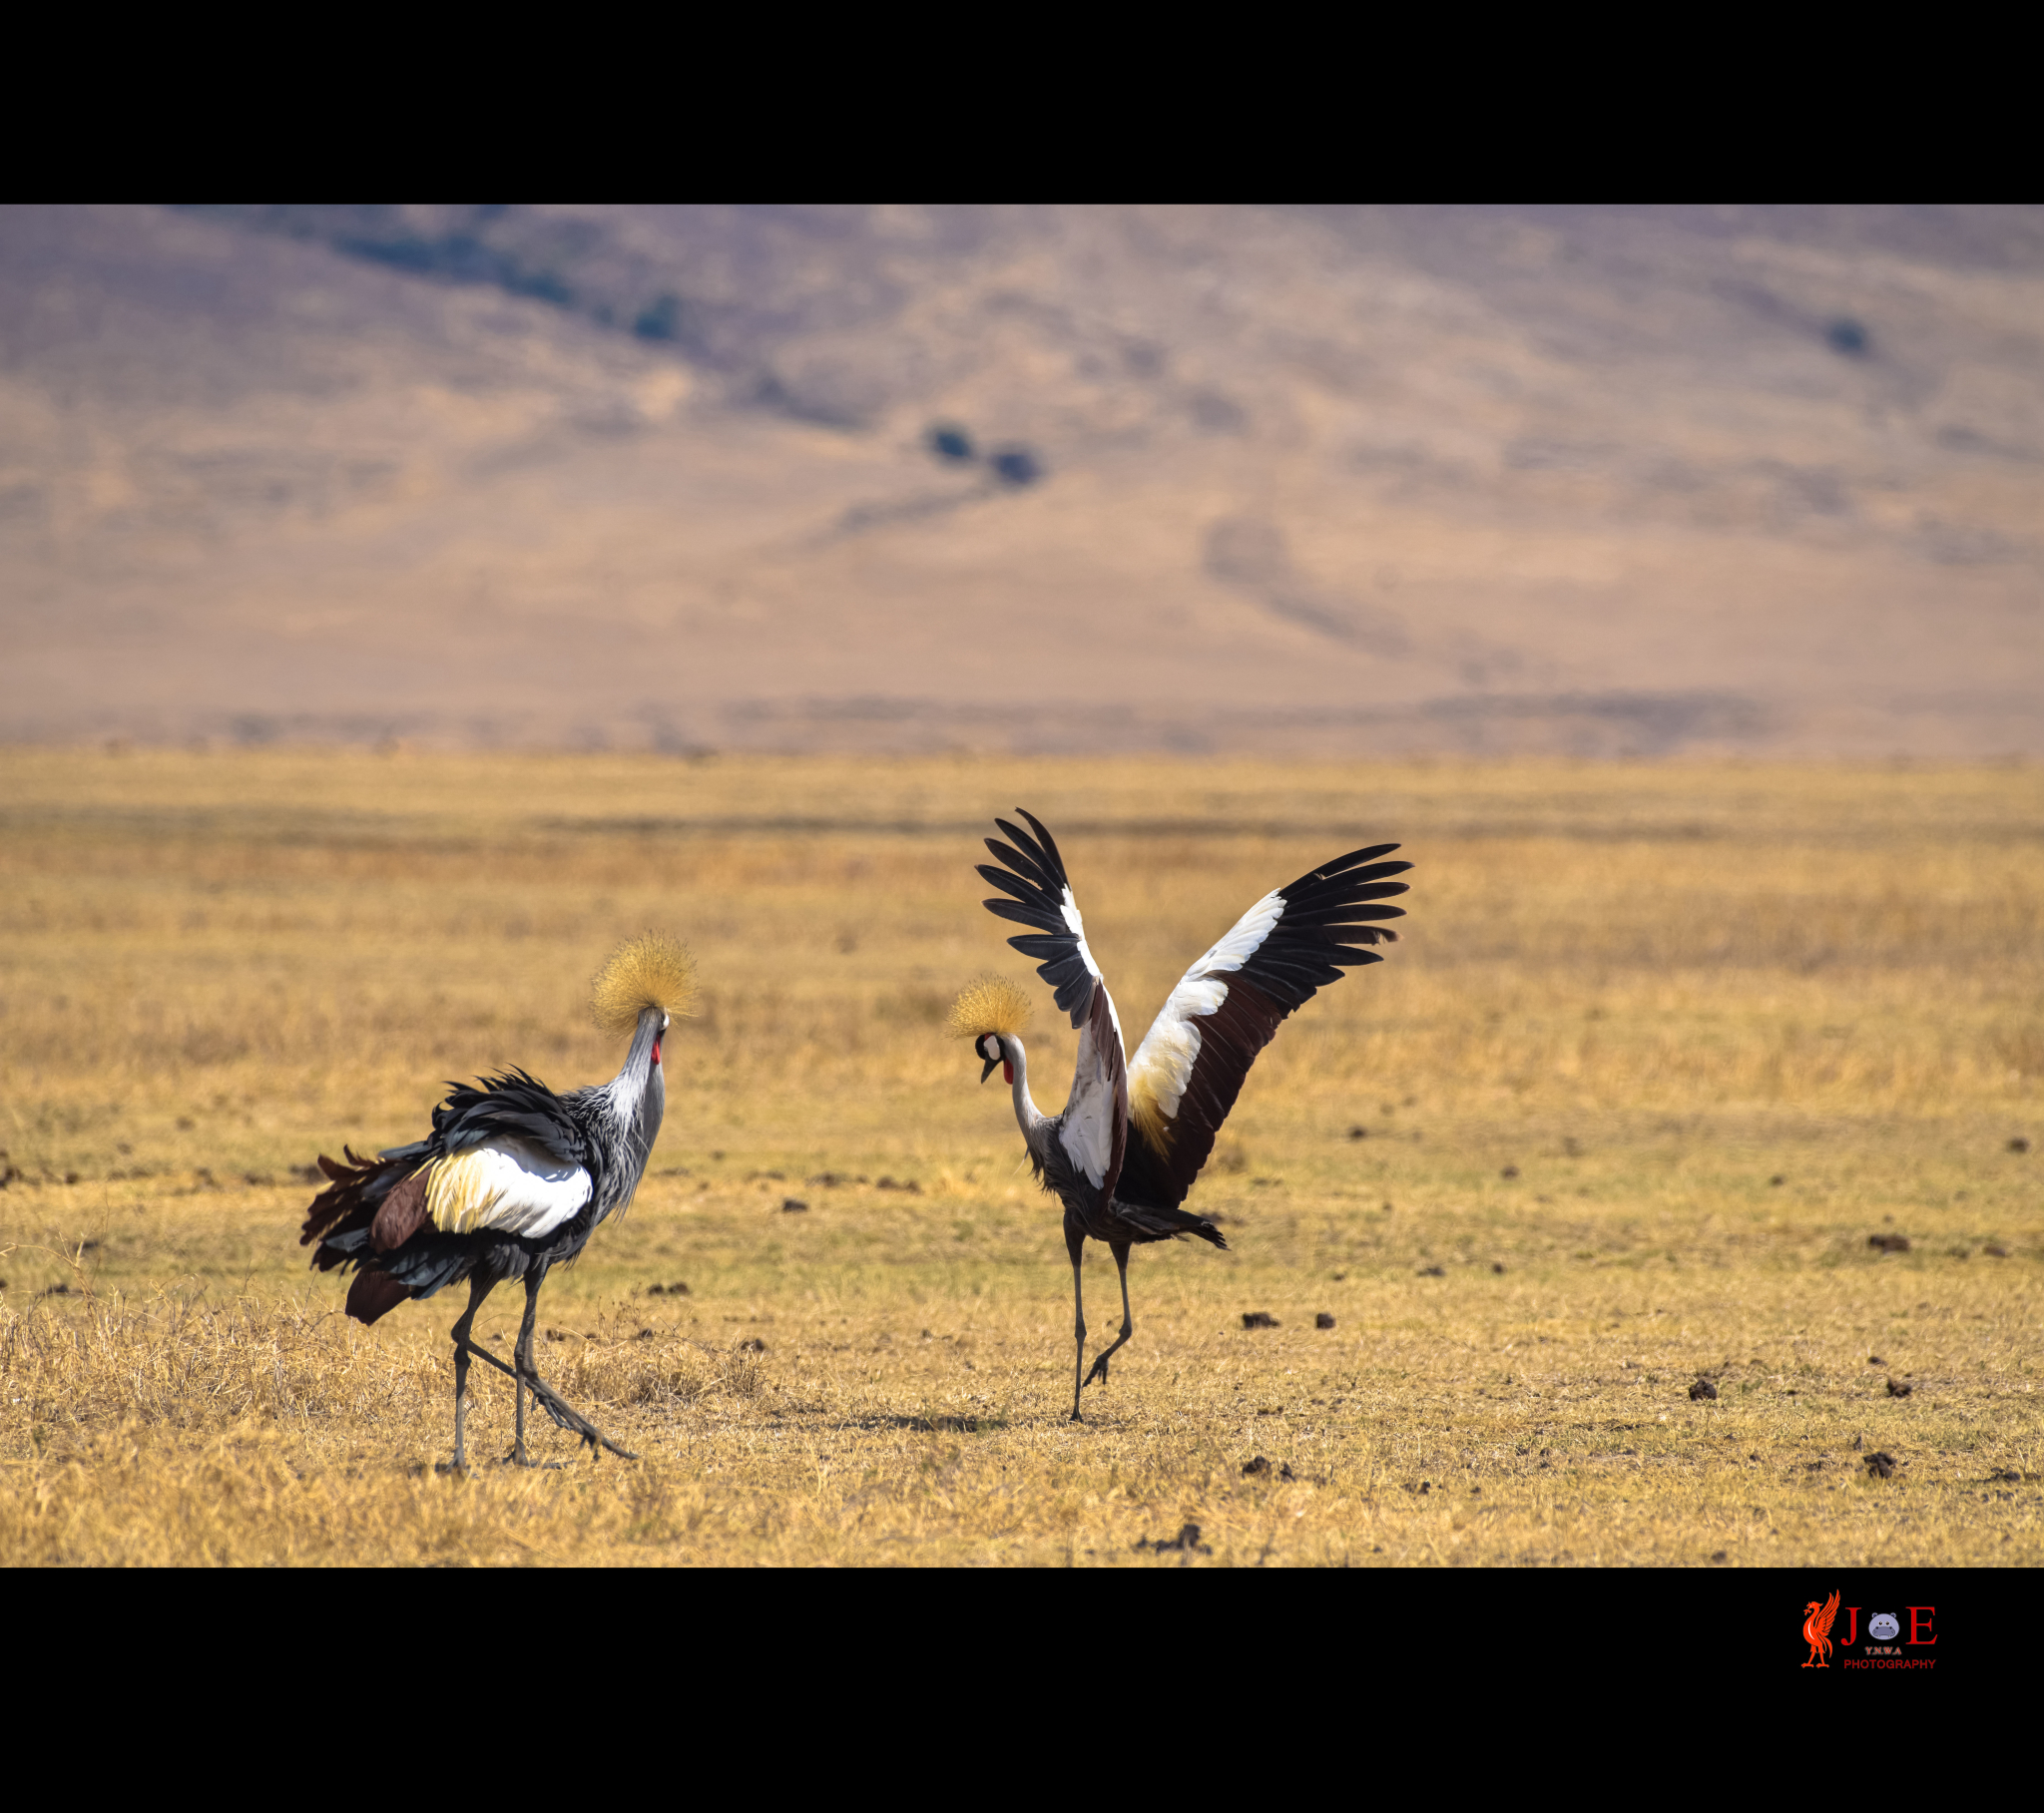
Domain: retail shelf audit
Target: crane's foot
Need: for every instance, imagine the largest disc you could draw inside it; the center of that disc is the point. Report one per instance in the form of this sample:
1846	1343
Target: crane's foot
571	1419
457	1464
1106	1354
551	1402
519	1458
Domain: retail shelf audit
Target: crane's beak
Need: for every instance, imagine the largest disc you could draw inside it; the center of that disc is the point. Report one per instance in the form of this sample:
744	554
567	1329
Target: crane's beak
988	1067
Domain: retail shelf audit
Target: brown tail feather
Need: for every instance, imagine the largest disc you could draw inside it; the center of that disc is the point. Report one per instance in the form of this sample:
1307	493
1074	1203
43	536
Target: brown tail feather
340	1204
402	1215
373	1294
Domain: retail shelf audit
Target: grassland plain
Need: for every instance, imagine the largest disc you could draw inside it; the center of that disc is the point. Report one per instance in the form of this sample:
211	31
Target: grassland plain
1663	1047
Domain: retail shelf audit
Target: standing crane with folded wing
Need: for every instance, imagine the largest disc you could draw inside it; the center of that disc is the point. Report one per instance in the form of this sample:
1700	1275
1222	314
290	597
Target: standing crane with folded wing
1133	1135
512	1181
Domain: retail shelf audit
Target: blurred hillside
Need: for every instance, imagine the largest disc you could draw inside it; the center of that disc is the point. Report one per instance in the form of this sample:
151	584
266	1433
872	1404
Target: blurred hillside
1574	480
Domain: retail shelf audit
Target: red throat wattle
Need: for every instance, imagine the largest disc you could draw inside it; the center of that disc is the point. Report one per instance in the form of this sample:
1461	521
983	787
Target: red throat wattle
655	1051
1007	1071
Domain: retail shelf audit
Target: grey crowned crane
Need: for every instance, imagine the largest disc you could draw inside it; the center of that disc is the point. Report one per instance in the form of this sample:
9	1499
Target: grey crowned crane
512	1181
1133	1135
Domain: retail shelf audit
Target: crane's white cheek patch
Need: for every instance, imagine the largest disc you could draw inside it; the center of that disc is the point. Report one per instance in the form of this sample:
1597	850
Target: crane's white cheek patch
508	1186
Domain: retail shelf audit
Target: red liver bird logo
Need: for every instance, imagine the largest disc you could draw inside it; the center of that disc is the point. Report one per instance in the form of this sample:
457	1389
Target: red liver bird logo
1817	1630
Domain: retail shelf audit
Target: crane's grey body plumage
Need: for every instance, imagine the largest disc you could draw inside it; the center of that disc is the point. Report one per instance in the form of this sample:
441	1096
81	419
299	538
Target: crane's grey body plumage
1113	1219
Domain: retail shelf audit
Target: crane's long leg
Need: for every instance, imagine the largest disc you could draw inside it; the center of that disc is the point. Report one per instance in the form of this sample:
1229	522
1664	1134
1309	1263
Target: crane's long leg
554	1405
1075	1242
544	1394
1120	1259
522	1354
478	1288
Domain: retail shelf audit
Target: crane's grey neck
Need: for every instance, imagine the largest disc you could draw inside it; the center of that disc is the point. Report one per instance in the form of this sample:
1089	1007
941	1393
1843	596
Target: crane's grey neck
1026	1113
635	1102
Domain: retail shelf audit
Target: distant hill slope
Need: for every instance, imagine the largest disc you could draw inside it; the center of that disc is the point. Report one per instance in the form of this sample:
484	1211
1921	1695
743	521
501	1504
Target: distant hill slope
1327	480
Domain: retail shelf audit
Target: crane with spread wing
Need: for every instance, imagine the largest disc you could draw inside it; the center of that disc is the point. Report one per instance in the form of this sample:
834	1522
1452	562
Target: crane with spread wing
1134	1134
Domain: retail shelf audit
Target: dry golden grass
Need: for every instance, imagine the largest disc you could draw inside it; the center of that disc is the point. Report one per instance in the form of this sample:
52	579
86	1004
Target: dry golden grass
1627	1001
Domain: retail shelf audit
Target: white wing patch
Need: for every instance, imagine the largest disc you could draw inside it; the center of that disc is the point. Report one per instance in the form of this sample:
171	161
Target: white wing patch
1077	926
512	1186
1164	1062
1245	938
1088	1131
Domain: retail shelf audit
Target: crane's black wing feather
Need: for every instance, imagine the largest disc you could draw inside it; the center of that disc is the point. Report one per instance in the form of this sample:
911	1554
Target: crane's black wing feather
1188	1070
1035	876
513	1102
1095	1120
